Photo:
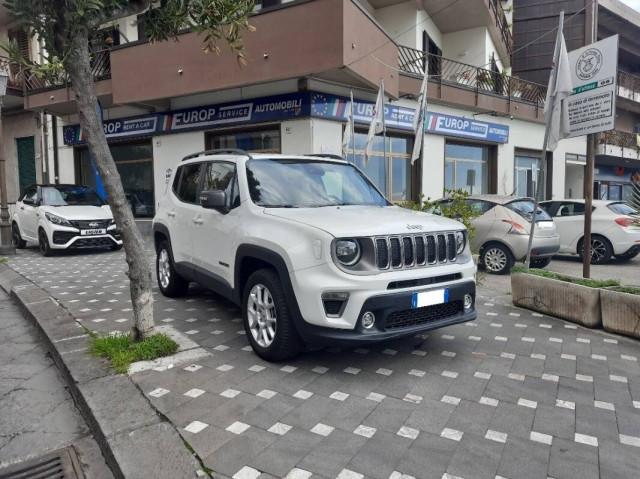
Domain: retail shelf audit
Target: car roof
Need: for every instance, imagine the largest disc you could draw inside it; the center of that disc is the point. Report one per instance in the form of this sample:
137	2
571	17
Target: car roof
240	157
580	200
498	199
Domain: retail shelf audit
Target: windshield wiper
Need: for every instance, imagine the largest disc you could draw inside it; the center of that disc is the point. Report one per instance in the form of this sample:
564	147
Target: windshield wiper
280	206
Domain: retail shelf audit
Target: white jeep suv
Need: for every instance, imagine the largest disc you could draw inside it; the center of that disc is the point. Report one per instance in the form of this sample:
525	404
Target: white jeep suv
311	250
60	217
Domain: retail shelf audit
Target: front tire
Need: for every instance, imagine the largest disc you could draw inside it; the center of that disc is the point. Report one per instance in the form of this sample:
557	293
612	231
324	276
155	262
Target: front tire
627	256
540	263
16	237
267	319
601	249
496	259
43	243
115	247
171	284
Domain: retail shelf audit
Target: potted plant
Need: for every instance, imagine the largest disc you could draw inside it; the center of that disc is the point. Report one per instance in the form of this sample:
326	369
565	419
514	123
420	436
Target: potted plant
621	310
567	297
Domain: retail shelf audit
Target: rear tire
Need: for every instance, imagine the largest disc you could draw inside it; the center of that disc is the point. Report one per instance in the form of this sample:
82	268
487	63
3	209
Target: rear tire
601	249
496	258
43	243
540	263
267	319
171	284
16	237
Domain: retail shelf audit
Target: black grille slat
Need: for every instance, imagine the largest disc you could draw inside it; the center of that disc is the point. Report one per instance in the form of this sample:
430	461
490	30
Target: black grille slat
442	248
396	252
431	249
407	243
382	253
451	246
420	253
427	314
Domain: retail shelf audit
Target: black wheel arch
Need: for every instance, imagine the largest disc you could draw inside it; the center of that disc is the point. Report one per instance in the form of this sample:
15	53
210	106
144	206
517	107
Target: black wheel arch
160	233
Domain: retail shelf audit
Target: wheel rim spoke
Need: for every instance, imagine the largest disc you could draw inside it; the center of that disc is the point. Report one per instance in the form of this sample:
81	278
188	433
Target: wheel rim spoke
261	315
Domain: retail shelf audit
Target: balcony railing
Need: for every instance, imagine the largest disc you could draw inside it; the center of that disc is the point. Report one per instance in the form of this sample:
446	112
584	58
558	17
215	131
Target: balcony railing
621	139
15	79
53	78
451	72
501	22
629	86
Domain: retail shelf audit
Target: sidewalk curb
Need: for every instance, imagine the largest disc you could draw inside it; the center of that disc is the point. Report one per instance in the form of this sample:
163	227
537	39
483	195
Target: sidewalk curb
121	419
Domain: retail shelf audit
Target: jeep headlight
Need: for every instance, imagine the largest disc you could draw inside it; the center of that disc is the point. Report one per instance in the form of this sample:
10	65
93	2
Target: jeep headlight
347	251
57	220
461	242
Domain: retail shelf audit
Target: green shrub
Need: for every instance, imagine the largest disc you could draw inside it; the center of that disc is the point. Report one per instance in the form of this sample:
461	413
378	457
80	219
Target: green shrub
590	283
625	289
121	350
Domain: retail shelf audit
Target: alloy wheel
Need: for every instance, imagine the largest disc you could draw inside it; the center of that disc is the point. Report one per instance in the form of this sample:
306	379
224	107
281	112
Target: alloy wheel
164	268
261	313
495	260
598	250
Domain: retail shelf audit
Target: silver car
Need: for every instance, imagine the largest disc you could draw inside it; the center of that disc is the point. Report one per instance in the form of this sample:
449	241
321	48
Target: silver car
502	232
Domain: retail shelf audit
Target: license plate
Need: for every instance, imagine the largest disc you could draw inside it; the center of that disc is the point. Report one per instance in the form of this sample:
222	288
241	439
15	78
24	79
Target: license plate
430	298
544	224
93	232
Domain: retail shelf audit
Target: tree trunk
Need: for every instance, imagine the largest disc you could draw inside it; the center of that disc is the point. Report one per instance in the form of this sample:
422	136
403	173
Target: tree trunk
78	66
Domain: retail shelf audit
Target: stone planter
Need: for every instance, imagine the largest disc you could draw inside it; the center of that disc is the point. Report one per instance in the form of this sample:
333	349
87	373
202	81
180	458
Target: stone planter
620	312
562	299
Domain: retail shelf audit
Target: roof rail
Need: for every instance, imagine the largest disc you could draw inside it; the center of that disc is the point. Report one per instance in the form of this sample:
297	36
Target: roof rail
326	155
223	151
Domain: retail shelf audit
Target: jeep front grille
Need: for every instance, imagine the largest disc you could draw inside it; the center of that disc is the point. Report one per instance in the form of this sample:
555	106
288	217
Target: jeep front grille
411	251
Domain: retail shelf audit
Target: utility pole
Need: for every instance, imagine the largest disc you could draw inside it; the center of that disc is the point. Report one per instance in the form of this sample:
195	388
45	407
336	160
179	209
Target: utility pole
591	36
6	246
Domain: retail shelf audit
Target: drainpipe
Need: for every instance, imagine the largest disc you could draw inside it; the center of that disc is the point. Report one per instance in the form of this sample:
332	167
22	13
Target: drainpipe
54	128
44	124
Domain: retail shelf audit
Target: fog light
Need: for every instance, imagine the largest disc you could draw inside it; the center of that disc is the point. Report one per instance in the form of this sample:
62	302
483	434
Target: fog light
468	301
368	320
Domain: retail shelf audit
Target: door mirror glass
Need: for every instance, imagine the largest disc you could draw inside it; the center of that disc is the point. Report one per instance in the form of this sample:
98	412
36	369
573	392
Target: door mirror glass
28	201
214	200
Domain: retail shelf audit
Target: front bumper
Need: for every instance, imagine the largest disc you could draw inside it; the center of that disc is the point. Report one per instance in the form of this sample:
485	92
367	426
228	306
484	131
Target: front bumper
396	317
70	238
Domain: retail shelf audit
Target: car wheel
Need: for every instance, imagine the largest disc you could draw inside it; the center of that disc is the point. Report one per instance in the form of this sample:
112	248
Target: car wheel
601	249
116	247
540	263
43	242
171	284
496	259
16	238
267	319
627	256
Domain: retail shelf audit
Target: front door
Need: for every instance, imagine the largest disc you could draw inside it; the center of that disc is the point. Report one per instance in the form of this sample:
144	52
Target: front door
26	162
182	212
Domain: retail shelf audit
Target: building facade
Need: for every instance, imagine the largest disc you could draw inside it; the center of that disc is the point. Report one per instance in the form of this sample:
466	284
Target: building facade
163	101
617	162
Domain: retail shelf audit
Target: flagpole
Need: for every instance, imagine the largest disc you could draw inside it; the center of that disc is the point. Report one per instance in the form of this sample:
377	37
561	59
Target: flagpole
353	134
384	141
545	145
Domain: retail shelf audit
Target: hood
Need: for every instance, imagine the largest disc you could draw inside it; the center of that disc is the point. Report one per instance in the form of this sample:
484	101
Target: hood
352	221
78	212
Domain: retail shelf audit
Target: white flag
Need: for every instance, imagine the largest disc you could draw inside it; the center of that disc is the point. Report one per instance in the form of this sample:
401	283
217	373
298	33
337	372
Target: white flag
377	121
348	129
560	87
420	117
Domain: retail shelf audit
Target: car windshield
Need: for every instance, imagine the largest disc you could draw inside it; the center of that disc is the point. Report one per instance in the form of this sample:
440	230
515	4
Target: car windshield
292	183
525	209
70	196
622	209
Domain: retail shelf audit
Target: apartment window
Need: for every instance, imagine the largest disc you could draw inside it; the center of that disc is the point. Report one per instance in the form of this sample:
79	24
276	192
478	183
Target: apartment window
527	174
467	167
256	141
394	176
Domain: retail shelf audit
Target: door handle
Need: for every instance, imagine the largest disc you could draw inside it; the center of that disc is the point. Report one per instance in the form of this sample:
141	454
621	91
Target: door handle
171	214
22	207
198	221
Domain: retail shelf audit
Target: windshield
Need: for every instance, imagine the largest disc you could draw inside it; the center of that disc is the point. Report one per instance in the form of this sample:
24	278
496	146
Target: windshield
525	209
309	184
622	209
70	196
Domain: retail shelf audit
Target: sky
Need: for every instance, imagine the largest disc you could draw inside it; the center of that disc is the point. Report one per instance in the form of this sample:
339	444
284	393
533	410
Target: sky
633	4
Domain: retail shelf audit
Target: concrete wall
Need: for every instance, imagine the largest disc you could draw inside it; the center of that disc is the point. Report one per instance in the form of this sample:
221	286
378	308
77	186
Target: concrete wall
400	21
466	46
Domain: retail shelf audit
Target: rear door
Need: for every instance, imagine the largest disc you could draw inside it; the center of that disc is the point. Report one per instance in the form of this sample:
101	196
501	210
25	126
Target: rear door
483	223
569	220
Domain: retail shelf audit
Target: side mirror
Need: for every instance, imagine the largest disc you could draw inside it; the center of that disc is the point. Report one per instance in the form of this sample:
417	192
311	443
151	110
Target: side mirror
214	200
28	201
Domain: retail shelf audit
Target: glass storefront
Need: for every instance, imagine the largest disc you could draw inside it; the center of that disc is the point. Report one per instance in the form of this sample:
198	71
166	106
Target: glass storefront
466	167
393	177
254	141
527	174
135	165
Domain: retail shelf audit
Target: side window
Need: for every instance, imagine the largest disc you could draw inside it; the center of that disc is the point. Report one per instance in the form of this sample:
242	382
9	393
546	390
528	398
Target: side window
222	176
570	209
479	207
176	180
30	195
189	181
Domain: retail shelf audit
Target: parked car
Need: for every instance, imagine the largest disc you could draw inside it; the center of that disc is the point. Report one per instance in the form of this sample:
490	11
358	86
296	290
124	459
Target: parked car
311	250
502	232
60	217
612	228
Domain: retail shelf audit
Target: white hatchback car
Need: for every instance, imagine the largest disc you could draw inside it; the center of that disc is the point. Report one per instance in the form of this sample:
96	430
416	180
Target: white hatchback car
60	217
612	228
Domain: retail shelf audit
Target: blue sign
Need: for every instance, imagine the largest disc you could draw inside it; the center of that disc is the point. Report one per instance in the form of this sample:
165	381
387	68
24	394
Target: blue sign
462	127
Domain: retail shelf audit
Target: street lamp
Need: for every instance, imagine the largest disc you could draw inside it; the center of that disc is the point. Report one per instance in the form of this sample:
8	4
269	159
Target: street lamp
5	223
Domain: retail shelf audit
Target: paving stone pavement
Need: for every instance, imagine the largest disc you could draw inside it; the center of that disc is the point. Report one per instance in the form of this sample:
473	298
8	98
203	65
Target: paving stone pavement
37	413
513	395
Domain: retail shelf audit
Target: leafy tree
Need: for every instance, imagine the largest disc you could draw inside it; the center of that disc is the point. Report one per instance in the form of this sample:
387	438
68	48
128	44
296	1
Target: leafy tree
66	28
